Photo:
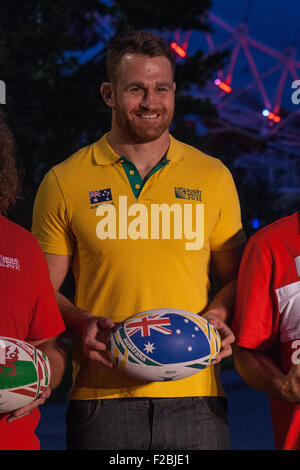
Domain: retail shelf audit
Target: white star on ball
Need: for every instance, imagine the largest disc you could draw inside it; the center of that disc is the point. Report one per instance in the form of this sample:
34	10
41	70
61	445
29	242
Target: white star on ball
149	347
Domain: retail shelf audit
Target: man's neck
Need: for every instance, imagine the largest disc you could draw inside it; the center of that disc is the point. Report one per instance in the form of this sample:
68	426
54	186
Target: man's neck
145	155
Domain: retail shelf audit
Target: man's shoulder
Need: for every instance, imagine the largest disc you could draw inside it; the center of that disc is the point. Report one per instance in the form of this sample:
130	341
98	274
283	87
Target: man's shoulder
17	236
75	160
84	160
14	229
195	155
279	230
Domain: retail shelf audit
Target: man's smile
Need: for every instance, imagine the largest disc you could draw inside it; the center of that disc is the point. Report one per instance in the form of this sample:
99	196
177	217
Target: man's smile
148	116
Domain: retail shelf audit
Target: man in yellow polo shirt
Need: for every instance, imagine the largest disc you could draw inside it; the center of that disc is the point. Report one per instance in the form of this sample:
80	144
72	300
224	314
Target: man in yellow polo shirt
141	218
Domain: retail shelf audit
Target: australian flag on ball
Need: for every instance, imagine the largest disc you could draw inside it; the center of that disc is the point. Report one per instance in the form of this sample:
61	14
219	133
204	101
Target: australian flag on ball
168	338
100	195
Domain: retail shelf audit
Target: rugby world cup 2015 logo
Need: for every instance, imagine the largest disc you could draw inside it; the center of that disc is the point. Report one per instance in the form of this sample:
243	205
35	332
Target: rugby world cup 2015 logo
24	373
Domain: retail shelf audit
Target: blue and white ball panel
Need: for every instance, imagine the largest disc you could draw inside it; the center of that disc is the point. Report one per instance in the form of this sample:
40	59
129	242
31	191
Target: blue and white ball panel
163	345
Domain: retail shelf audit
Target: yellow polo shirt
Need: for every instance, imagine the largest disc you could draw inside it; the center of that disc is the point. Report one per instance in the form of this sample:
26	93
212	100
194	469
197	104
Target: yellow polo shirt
137	245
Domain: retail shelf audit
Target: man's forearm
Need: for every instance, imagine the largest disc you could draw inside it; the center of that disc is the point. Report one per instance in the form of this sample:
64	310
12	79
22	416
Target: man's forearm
257	369
81	325
75	318
56	352
260	372
219	313
222	304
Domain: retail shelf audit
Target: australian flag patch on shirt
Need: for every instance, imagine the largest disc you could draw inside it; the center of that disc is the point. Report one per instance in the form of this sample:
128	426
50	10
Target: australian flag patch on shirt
101	195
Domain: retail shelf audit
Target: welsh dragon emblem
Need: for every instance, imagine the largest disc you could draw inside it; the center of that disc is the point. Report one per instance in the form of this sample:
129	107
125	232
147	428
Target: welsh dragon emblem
10	358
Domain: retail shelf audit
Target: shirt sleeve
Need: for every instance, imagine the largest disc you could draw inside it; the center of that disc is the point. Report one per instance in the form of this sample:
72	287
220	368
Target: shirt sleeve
228	231
50	223
255	320
46	319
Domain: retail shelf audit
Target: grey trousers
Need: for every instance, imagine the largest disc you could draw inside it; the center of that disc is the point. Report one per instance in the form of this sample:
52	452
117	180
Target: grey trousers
193	423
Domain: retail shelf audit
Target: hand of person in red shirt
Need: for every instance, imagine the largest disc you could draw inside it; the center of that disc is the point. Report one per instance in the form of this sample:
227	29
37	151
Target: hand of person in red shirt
290	384
27	409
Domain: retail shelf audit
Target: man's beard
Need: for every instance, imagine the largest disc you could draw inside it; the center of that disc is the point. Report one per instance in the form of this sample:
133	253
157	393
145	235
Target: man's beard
143	132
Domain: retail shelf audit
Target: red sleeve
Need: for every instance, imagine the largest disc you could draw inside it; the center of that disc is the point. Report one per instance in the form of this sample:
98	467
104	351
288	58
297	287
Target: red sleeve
255	321
46	321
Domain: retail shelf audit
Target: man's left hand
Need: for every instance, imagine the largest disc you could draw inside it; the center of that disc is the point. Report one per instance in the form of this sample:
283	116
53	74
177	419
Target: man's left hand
27	409
227	337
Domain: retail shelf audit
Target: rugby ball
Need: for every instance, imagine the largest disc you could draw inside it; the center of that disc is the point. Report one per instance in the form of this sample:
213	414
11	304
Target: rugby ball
24	373
163	344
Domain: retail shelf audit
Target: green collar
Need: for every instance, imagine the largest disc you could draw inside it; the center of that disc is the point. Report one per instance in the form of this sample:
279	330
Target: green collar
134	178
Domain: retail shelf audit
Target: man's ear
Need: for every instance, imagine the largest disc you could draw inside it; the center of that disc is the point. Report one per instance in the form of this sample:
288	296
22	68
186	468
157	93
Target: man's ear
107	93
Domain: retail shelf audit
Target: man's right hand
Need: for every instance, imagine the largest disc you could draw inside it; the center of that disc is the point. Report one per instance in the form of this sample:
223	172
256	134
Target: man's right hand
94	336
290	385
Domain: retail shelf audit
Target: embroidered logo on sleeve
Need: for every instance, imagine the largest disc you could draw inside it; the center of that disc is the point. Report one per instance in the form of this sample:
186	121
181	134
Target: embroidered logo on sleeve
8	262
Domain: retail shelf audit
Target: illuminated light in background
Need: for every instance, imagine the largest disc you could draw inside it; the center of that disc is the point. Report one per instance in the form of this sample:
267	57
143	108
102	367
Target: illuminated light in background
255	224
224	86
179	50
272	116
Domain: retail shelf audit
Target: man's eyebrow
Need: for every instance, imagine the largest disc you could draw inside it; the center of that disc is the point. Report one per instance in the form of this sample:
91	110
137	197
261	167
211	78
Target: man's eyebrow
164	84
135	83
143	85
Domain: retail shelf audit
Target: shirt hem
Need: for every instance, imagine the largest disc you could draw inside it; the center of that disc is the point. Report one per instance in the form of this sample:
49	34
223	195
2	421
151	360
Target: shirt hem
88	394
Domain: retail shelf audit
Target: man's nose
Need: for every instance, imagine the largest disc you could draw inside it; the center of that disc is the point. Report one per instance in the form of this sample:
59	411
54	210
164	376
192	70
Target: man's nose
149	100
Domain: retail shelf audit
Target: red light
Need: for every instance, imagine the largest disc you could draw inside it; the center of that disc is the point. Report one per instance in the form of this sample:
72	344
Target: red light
181	52
224	86
274	117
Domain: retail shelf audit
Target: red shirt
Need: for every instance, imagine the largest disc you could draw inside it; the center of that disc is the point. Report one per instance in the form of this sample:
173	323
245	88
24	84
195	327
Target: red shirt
267	312
28	311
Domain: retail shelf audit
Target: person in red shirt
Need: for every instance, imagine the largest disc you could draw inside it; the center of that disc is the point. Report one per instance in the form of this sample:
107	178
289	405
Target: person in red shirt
266	323
28	309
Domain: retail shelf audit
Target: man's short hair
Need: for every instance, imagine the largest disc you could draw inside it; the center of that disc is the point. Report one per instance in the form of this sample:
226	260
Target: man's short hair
135	42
